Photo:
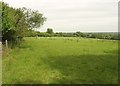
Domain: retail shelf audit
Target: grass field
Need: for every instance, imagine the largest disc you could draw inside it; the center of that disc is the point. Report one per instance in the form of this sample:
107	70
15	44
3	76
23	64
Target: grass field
61	60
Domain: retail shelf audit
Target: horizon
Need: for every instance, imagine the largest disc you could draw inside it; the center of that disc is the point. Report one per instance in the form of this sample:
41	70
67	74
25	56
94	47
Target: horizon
84	32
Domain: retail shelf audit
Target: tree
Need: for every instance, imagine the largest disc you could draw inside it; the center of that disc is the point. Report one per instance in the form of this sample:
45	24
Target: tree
17	22
13	23
33	18
50	30
79	34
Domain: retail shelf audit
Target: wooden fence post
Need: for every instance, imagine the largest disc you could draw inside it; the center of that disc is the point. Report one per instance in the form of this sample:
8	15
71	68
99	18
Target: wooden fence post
6	43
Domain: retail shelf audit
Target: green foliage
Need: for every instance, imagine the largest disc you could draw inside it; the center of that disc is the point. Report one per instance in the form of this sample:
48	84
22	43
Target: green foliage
49	33
50	30
79	34
33	18
112	36
44	34
13	23
16	23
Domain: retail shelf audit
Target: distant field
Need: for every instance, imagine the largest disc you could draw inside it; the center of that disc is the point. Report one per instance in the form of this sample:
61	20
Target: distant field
62	60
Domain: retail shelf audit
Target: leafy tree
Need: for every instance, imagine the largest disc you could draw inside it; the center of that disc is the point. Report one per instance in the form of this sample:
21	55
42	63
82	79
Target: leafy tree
33	18
79	34
16	23
50	30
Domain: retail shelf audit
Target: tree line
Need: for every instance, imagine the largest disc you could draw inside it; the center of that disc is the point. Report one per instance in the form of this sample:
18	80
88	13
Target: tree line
17	22
98	35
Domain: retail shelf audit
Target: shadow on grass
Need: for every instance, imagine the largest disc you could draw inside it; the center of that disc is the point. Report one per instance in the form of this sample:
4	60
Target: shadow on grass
84	69
26	82
24	46
79	69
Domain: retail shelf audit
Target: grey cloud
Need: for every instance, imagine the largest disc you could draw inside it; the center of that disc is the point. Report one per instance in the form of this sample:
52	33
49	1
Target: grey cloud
74	15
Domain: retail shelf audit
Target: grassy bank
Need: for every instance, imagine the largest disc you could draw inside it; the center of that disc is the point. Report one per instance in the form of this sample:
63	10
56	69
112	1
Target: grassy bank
62	60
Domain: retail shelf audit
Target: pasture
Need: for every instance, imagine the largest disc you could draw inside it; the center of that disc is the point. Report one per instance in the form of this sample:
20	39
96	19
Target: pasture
61	61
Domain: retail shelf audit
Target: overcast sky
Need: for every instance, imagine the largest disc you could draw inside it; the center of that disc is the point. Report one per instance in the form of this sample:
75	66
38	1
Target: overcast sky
74	15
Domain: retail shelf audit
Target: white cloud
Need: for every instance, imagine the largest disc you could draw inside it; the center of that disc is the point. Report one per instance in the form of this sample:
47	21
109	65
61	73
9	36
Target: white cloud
74	15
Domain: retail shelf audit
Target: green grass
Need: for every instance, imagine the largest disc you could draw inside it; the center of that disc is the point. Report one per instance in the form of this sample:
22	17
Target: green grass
62	60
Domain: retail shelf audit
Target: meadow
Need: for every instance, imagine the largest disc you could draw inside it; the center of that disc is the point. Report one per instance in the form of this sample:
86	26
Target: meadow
61	61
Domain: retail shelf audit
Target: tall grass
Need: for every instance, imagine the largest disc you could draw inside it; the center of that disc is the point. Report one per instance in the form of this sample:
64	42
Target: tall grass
62	60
